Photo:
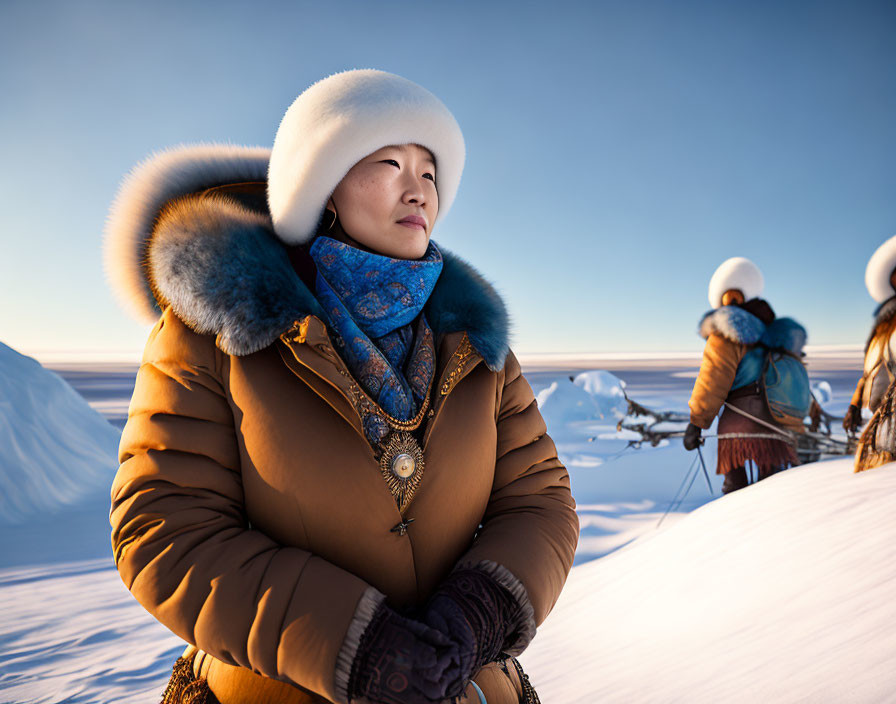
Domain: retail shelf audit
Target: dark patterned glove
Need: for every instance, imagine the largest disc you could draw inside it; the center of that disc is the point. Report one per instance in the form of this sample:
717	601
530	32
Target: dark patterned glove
477	614
691	437
401	661
853	418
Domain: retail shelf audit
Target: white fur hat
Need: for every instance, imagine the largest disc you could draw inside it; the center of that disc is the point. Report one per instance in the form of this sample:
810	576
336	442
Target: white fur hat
735	273
337	122
877	273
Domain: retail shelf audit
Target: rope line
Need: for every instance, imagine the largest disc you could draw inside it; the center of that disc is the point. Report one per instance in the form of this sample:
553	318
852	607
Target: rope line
676	502
786	433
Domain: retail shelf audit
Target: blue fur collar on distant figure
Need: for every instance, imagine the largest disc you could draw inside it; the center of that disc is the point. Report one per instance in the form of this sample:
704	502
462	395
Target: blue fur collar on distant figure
733	324
738	325
785	334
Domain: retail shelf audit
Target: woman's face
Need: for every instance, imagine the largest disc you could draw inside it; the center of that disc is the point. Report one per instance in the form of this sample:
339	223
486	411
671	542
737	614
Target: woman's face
388	201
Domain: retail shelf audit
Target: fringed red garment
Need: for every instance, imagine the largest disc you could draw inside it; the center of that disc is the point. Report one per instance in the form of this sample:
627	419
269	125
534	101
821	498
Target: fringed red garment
767	452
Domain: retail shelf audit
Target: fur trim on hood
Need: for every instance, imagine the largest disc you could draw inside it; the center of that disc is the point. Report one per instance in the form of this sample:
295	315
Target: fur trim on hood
732	323
224	272
738	325
785	334
157	180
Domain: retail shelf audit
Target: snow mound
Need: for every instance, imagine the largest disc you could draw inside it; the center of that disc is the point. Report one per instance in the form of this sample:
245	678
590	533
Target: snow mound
822	392
780	592
593	395
56	448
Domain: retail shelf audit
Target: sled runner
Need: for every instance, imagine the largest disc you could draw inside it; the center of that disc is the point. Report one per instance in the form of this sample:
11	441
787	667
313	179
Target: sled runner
816	443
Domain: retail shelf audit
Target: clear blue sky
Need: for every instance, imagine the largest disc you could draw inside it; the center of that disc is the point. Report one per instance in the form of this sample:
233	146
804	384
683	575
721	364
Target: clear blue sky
617	151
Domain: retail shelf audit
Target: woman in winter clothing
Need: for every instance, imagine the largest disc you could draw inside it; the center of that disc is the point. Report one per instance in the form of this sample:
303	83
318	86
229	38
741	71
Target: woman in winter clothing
880	348
335	483
739	332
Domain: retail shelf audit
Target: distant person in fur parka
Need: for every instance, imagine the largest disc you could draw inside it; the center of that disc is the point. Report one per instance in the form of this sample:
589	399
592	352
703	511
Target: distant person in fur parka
739	332
880	348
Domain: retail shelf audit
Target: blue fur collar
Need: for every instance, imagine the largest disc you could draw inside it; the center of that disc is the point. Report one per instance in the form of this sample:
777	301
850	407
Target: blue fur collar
732	323
224	272
785	334
738	325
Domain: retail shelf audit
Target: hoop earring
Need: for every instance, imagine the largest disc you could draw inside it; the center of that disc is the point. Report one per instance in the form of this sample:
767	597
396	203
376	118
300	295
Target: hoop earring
332	220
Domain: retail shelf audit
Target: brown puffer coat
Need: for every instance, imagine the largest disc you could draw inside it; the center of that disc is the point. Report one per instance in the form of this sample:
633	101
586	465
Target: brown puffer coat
249	514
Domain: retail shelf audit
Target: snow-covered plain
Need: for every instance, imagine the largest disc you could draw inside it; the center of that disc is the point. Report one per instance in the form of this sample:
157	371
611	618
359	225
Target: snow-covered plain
69	629
775	593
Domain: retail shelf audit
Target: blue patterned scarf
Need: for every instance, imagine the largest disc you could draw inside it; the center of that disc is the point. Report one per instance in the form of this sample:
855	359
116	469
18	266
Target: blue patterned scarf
371	302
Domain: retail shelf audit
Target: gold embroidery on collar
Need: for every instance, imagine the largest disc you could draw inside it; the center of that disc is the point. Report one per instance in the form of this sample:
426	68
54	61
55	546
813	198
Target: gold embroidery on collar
298	332
367	406
462	355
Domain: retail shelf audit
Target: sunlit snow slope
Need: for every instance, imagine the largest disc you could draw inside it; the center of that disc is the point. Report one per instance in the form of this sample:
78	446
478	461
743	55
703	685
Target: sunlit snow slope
56	449
781	592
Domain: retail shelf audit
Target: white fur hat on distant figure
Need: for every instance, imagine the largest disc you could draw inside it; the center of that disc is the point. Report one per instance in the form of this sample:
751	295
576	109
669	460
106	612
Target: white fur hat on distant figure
880	268
736	273
337	122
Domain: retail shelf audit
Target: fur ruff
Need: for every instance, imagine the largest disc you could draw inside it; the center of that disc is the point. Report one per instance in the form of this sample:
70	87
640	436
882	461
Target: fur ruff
877	273
732	323
337	122
157	180
785	334
738	325
224	272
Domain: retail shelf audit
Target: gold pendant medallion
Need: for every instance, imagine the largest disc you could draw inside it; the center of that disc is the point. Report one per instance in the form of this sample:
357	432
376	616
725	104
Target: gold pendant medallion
401	464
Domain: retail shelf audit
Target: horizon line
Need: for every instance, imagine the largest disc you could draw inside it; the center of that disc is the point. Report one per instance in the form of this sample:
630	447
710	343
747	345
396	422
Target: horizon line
849	352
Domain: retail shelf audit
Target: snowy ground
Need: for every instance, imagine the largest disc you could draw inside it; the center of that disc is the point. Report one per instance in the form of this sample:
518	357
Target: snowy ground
782	592
683	613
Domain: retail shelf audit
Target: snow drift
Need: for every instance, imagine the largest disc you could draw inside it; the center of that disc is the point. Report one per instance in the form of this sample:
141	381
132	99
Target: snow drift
780	592
593	395
56	448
